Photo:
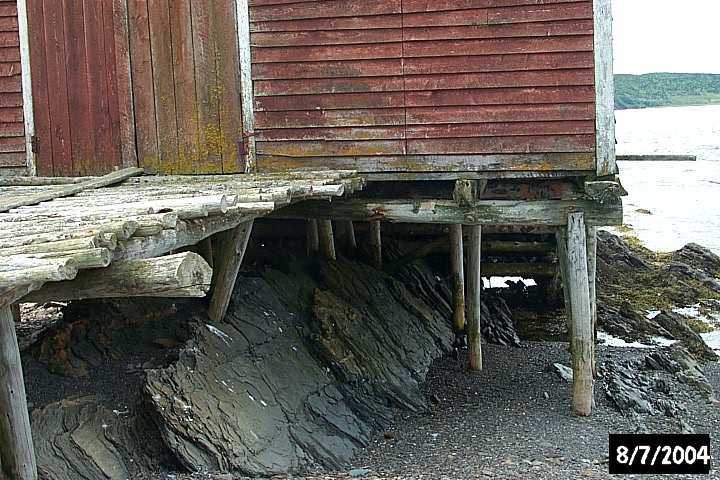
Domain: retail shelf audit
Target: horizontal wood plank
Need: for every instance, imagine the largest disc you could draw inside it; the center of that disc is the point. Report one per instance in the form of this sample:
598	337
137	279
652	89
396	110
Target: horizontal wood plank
8	24
11	114
322	9
9	69
344	133
498	63
13	159
411	6
9	54
488	46
340	23
328	69
457	32
325	53
12	144
338	101
13	129
9	39
475	16
326	37
332	148
325	86
485	212
13	99
8	9
10	84
500	113
541	13
500	80
374	163
502	96
496	129
331	118
514	144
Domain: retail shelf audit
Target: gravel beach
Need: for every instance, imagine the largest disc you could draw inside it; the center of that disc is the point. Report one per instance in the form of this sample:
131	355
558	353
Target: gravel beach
513	420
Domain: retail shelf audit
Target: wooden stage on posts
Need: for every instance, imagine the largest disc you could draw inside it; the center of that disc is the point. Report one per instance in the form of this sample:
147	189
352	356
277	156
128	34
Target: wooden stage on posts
115	236
126	234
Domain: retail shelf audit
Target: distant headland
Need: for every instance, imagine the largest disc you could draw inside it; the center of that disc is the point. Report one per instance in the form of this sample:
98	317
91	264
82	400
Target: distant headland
666	90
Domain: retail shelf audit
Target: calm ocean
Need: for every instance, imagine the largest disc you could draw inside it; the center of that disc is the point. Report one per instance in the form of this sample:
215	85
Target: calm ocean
683	198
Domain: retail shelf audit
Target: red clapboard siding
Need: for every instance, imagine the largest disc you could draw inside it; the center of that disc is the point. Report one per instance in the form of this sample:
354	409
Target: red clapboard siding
12	127
515	30
423	84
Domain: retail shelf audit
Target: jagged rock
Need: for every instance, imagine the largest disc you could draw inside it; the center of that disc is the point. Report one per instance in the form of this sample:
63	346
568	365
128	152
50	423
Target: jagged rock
250	395
679	330
679	361
563	372
628	389
83	439
615	257
699	257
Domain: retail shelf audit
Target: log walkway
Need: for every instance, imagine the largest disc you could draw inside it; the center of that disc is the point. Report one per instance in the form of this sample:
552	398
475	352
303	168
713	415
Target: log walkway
115	236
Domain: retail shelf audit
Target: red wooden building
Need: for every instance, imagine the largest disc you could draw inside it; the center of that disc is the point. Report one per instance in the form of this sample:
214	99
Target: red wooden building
218	86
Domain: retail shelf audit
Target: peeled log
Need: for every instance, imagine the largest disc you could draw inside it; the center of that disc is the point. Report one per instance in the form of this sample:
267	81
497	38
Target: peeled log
182	275
21	271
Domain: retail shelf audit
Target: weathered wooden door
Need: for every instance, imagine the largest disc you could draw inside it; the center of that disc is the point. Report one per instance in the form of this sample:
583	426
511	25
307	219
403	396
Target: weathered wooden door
420	85
75	90
186	87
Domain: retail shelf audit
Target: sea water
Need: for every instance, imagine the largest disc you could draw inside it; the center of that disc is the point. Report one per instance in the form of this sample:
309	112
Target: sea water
671	203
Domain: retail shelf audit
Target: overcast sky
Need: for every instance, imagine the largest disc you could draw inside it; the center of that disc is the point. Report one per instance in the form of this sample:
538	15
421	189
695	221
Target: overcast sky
666	36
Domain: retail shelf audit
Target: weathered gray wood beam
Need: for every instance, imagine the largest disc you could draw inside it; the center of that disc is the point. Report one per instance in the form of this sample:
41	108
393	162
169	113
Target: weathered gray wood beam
581	317
474	303
17	452
376	243
313	240
181	275
109	179
230	253
485	212
10	295
327	240
346	234
458	278
604	88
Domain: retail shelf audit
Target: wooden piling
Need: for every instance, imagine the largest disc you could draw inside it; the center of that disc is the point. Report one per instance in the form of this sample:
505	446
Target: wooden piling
346	232
458	278
376	243
230	253
327	240
17	452
581	317
592	275
313	241
474	289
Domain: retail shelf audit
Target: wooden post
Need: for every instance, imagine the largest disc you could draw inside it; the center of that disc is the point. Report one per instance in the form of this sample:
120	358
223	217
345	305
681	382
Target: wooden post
474	289
458	278
592	275
327	240
230	252
561	237
346	232
313	241
581	337
376	243
17	453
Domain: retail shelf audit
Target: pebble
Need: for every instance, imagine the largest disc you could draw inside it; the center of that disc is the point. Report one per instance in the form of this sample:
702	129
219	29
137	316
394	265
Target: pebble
359	472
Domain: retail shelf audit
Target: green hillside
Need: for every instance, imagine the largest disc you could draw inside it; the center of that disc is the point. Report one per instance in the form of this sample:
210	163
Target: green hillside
666	89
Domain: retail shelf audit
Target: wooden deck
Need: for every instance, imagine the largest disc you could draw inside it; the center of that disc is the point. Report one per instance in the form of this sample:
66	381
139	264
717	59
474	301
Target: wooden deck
77	229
